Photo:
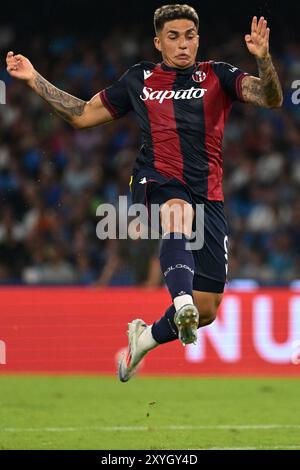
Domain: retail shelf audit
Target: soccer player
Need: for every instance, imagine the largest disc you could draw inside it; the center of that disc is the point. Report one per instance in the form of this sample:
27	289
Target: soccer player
181	106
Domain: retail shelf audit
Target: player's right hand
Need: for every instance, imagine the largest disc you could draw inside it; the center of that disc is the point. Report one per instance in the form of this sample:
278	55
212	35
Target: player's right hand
19	67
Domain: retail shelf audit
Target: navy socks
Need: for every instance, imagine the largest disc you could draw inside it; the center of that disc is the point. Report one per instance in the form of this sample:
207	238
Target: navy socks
177	265
165	330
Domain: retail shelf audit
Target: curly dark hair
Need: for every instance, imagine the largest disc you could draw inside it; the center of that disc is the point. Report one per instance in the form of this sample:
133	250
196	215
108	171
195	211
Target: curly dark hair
174	12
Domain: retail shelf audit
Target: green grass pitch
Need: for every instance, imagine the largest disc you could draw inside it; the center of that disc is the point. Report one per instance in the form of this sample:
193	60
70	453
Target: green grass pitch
87	412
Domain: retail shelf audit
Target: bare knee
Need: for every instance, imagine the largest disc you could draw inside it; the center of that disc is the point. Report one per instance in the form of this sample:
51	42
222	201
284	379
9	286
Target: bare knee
207	304
177	216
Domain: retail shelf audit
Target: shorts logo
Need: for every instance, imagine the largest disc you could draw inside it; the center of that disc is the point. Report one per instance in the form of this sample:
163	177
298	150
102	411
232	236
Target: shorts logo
199	76
143	180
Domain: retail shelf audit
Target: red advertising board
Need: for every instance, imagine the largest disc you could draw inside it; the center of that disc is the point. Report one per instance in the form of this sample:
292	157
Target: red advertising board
80	330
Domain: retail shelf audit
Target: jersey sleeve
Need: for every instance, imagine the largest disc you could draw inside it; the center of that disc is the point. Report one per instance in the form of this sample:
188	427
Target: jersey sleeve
230	78
116	98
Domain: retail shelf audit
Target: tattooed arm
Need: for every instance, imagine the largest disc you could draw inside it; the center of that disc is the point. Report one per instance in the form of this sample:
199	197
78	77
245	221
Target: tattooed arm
266	90
80	114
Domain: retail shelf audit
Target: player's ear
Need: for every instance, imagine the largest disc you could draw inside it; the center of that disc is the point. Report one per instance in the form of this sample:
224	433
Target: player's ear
157	43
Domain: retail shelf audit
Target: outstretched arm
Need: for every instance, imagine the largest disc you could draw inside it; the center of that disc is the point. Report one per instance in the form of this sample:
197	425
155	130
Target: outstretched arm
266	90
79	113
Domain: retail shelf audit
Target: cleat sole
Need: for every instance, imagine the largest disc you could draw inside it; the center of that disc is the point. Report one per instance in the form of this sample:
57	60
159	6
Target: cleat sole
186	319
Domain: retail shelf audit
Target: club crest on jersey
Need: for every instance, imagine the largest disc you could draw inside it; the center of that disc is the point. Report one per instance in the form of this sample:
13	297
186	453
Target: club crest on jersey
199	76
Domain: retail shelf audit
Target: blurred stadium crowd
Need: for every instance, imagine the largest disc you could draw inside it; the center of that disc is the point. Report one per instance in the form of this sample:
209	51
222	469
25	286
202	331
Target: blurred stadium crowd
52	177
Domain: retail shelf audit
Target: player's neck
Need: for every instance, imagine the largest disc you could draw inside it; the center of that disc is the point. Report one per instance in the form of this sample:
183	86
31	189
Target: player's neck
170	66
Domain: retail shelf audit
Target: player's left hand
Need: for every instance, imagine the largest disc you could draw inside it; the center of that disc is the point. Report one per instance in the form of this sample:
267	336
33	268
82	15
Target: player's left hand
258	41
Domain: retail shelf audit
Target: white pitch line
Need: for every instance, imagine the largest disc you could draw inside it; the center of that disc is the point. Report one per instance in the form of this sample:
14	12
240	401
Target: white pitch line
224	427
284	447
229	448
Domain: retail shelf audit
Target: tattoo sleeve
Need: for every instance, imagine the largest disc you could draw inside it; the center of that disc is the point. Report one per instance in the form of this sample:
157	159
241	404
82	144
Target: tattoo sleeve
266	90
67	106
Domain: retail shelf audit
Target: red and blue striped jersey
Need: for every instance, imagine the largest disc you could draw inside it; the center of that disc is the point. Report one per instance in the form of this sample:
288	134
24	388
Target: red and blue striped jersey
181	114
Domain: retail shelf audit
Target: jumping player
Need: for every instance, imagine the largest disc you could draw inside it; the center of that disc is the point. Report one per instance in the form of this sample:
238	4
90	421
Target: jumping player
181	106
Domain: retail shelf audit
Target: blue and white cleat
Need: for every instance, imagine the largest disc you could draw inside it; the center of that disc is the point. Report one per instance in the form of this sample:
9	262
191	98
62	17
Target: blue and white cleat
187	319
130	362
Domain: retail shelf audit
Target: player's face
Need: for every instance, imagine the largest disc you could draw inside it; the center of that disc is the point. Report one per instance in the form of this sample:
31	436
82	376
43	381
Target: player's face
178	42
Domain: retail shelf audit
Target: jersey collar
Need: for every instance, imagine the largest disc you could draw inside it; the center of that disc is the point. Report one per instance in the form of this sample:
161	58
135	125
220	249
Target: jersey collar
187	71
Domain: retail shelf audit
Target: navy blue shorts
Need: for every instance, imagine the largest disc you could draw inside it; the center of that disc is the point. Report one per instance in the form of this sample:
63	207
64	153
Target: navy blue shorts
211	261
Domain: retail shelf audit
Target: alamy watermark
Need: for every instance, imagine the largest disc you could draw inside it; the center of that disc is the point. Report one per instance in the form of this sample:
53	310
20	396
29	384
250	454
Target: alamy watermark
2	353
136	221
2	92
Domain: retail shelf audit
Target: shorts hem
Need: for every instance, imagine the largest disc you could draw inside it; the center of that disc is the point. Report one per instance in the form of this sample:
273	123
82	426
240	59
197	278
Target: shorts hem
205	284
